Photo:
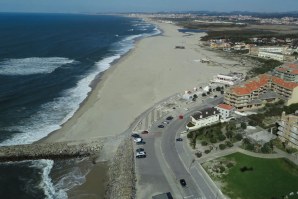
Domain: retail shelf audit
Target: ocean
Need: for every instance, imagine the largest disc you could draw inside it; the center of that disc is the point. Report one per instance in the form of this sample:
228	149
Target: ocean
47	63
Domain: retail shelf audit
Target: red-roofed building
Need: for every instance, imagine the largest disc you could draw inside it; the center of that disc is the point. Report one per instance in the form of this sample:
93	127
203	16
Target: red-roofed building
256	92
225	111
288	72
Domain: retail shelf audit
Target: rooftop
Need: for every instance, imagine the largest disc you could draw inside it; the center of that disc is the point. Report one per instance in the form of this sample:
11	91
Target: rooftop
205	113
283	83
225	106
251	85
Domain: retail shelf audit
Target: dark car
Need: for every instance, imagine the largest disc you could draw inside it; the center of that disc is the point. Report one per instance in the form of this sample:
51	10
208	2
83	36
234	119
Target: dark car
140	156
182	182
140	150
215	96
161	126
140	143
134	135
145	132
169	118
179	139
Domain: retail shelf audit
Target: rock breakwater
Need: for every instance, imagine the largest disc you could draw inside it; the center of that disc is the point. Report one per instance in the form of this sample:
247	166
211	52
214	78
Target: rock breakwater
57	150
121	173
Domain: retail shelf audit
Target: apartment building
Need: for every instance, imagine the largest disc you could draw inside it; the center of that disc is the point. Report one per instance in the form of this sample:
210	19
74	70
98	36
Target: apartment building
288	129
270	55
256	92
288	72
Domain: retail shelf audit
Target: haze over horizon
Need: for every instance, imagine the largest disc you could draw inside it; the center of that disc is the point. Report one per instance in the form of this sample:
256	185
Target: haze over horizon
93	6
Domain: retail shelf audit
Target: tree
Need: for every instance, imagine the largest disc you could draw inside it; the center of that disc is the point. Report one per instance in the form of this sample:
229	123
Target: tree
238	136
204	143
266	148
246	141
195	96
213	140
222	92
229	134
221	137
222	146
204	95
218	88
243	125
229	144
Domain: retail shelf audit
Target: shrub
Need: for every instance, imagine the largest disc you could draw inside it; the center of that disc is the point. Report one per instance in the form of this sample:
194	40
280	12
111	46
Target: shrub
243	125
204	143
207	151
229	134
222	146
229	144
198	154
230	165
239	136
221	169
213	140
221	137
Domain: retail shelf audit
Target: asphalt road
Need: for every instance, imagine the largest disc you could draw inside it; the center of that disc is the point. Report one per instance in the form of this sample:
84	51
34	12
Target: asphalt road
167	162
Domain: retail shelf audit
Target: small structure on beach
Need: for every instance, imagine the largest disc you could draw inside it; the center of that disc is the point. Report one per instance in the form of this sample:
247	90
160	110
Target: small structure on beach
179	47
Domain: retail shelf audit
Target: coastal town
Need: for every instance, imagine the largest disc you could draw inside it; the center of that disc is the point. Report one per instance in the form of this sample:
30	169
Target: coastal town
251	113
204	108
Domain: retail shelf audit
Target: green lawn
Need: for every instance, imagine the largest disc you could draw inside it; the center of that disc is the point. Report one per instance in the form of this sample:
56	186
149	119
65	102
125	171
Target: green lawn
270	178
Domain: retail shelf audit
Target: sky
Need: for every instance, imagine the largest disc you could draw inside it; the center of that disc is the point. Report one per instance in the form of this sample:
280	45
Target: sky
99	6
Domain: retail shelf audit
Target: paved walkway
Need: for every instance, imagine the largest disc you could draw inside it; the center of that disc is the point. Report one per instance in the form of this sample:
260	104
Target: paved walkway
278	154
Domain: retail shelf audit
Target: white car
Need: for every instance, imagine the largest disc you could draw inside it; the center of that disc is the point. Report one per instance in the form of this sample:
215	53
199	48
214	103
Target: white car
137	139
141	153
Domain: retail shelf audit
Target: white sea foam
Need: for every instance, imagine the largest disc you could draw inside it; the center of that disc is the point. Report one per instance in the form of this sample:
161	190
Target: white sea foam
46	182
52	115
32	65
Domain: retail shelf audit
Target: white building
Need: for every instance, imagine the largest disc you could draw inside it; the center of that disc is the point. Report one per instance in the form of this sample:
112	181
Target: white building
269	55
229	79
272	49
225	111
203	118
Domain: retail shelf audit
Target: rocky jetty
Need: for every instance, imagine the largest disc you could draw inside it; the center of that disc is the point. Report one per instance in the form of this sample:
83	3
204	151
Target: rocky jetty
121	173
57	150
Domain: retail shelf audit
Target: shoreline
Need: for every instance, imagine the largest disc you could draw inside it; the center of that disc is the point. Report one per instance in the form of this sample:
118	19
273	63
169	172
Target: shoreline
100	84
150	72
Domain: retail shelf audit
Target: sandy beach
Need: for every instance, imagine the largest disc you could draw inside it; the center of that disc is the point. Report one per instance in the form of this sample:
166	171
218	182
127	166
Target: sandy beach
152	71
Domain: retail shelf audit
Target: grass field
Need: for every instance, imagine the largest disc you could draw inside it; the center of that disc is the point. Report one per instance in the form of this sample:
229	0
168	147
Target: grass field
268	178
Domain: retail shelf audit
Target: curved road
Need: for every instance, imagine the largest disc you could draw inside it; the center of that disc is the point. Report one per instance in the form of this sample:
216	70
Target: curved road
168	161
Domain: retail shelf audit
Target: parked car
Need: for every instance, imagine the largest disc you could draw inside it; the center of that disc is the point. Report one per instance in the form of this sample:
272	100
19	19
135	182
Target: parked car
161	126
182	182
141	153
134	135
140	156
215	96
179	139
169	118
137	139
165	122
140	150
145	132
140	143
